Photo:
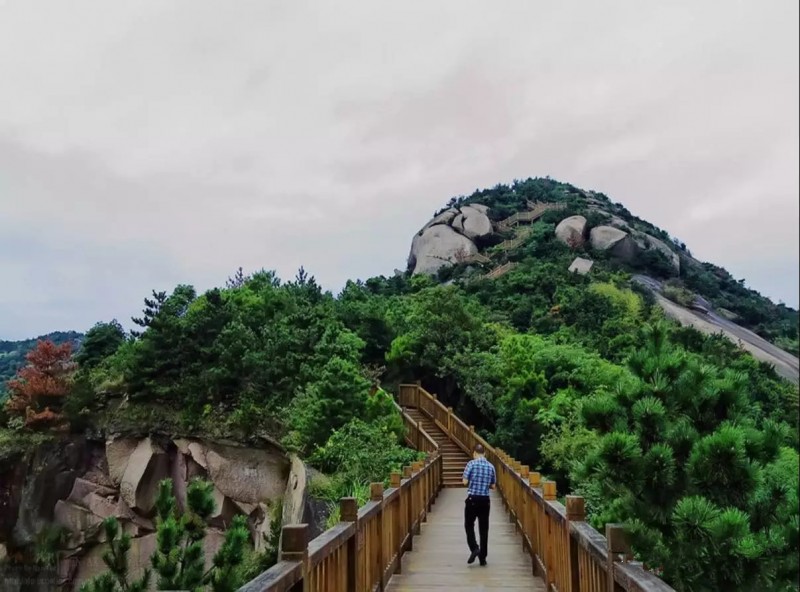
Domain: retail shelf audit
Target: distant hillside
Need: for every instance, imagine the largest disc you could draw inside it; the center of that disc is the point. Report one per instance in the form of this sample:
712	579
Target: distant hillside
684	275
12	353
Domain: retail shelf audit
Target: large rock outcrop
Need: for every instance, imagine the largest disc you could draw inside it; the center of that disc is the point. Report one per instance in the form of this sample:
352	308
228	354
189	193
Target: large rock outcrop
438	246
450	237
572	231
147	465
614	241
77	483
473	222
629	246
247	474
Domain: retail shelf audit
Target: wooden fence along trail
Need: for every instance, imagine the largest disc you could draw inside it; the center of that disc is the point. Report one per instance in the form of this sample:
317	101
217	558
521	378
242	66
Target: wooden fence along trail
541	537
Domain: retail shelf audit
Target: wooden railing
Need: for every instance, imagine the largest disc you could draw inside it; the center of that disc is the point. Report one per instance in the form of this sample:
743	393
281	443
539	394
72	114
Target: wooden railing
362	552
500	271
534	212
476	258
567	553
518	240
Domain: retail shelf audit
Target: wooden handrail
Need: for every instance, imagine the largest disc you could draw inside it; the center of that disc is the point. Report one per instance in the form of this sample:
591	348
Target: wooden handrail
362	552
567	553
535	211
500	271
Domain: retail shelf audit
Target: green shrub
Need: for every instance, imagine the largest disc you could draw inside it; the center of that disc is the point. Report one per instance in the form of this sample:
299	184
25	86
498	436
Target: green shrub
678	295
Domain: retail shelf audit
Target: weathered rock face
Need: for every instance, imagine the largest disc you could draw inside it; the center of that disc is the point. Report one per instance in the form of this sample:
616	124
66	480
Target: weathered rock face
473	223
13	471
647	241
449	238
246	474
605	238
572	231
76	484
627	246
50	477
294	499
615	241
581	266
438	246
118	451
146	467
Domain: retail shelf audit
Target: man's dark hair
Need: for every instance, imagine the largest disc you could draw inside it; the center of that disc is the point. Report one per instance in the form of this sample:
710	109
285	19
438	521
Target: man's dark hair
479	449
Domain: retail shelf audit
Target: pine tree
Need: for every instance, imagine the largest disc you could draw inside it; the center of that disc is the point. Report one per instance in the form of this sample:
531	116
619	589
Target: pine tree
178	561
695	477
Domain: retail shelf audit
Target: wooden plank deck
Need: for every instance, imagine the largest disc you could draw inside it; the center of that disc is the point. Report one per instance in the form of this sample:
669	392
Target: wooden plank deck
439	558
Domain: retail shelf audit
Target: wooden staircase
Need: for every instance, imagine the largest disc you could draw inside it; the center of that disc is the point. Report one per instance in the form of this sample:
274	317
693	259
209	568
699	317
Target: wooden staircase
454	459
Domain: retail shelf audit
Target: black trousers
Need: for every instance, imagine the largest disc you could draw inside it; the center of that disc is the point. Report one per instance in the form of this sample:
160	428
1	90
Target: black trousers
477	507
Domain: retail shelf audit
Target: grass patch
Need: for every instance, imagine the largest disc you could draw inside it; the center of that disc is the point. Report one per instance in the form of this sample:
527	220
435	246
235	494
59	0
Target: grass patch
15	442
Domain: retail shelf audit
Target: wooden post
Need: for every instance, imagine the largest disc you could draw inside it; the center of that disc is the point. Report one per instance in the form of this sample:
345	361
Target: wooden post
425	488
418	493
549	495
534	480
395	482
348	510
615	540
449	421
576	512
408	500
549	491
376	495
294	547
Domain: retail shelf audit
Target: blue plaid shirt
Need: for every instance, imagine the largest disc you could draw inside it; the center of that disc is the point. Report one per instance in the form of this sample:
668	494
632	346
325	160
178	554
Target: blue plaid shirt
480	475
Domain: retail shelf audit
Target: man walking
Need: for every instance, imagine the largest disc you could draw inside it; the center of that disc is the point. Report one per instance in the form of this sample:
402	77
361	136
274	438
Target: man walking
479	477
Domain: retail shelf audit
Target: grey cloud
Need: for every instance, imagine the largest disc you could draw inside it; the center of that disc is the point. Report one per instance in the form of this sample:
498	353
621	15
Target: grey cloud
164	143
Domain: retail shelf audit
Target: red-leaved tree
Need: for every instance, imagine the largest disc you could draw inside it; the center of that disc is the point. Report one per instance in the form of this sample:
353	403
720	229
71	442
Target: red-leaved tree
38	390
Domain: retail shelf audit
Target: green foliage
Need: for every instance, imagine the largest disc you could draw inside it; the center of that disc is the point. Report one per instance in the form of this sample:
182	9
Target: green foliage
681	457
100	342
178	561
338	395
254	562
678	295
16	441
683	436
363	452
116	579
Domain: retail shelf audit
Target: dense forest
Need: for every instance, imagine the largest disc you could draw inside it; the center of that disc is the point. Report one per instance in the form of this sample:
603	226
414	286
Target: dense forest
682	436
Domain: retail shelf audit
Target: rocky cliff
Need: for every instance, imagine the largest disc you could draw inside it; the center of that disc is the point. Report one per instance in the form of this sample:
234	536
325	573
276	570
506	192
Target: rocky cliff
73	484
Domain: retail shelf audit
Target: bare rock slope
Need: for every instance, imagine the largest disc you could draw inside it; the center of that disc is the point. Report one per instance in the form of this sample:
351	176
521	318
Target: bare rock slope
710	322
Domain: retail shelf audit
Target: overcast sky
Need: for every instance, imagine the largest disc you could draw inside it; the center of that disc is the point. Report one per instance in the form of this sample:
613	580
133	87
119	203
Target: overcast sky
149	143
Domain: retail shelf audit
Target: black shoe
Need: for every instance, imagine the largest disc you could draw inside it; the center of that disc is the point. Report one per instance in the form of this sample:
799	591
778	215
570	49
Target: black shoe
472	557
483	563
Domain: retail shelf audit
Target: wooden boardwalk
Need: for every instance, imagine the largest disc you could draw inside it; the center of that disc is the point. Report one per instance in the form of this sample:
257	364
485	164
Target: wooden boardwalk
439	558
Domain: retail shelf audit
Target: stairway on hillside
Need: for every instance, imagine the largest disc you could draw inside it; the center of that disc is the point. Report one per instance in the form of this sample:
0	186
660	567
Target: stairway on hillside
453	458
